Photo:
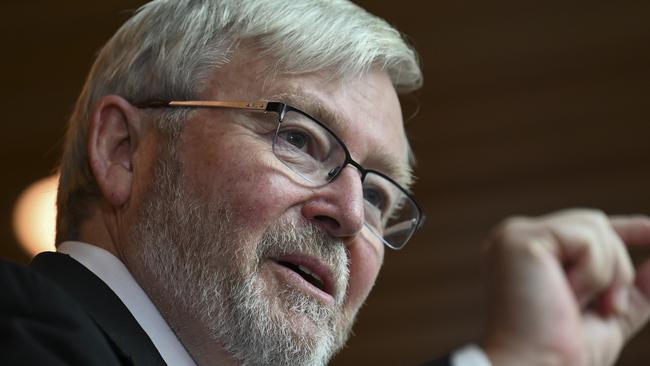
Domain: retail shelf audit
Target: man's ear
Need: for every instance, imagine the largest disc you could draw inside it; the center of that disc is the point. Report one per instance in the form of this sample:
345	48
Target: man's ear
112	141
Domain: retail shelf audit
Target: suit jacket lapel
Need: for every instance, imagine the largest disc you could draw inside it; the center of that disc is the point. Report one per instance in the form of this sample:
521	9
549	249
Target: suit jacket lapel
103	306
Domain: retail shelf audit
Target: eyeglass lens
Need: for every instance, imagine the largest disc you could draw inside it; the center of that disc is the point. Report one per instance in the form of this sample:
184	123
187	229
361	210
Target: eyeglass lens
314	153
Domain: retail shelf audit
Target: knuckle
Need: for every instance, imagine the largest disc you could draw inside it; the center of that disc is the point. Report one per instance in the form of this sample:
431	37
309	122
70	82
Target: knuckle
511	234
508	229
588	216
597	218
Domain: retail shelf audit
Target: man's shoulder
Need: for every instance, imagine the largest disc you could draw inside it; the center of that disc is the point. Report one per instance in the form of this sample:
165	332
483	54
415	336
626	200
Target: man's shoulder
41	324
443	361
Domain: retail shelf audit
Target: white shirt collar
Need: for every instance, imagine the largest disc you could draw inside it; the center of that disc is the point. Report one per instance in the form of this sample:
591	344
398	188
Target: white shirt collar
115	274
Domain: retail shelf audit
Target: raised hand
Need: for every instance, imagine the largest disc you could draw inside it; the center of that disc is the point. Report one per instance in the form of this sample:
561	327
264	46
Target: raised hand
563	290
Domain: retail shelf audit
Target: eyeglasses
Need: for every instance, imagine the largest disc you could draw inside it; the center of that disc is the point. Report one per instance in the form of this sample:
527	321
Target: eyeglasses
312	151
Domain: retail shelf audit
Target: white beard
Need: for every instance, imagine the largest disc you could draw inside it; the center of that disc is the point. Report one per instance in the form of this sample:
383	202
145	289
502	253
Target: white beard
204	265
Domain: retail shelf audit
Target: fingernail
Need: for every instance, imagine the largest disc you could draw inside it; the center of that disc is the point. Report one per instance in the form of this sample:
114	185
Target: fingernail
622	299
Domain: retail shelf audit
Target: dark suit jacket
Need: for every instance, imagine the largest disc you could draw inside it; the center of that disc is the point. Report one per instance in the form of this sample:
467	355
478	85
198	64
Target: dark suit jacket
445	361
59	313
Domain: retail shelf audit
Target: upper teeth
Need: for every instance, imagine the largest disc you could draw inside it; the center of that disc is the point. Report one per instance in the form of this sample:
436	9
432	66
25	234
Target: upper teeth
307	271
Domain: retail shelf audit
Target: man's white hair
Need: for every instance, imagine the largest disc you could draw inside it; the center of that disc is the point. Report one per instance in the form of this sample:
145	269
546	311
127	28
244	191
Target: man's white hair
169	47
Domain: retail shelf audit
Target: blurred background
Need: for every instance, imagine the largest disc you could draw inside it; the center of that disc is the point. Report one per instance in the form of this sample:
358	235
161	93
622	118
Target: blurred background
528	107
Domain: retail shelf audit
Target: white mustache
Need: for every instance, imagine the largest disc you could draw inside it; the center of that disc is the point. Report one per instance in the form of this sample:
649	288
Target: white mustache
288	237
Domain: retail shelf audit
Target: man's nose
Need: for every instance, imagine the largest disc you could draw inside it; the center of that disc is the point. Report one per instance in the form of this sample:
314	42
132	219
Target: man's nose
338	206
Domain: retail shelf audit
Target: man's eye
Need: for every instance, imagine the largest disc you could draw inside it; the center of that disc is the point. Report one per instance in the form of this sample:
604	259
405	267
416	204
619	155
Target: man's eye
296	138
374	197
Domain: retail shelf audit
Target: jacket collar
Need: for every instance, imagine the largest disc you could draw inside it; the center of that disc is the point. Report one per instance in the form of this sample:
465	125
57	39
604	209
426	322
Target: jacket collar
103	306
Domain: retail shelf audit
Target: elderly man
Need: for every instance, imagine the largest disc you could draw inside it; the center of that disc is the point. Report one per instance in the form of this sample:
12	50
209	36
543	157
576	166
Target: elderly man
232	174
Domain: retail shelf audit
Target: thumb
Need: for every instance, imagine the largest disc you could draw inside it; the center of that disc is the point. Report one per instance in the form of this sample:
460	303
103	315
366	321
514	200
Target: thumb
639	303
607	335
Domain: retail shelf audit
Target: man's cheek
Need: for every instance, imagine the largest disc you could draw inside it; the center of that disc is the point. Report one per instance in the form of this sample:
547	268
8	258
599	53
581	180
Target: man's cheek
260	200
365	262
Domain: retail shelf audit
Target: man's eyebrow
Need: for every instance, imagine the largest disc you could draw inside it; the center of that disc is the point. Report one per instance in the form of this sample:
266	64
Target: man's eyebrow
401	172
313	107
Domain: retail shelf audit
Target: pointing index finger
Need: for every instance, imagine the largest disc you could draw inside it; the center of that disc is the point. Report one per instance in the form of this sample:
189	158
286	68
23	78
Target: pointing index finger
633	230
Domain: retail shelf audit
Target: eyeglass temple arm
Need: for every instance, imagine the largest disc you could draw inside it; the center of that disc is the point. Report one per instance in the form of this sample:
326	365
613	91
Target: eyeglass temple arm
261	106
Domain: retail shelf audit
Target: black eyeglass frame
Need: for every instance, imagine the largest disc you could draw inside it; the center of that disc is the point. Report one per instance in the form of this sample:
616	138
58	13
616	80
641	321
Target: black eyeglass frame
281	109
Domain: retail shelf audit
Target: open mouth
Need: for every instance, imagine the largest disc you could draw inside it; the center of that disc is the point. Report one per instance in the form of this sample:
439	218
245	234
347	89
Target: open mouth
316	275
305	273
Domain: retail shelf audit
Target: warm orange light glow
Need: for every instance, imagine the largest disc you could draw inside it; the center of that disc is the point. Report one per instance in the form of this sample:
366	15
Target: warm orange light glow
35	216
